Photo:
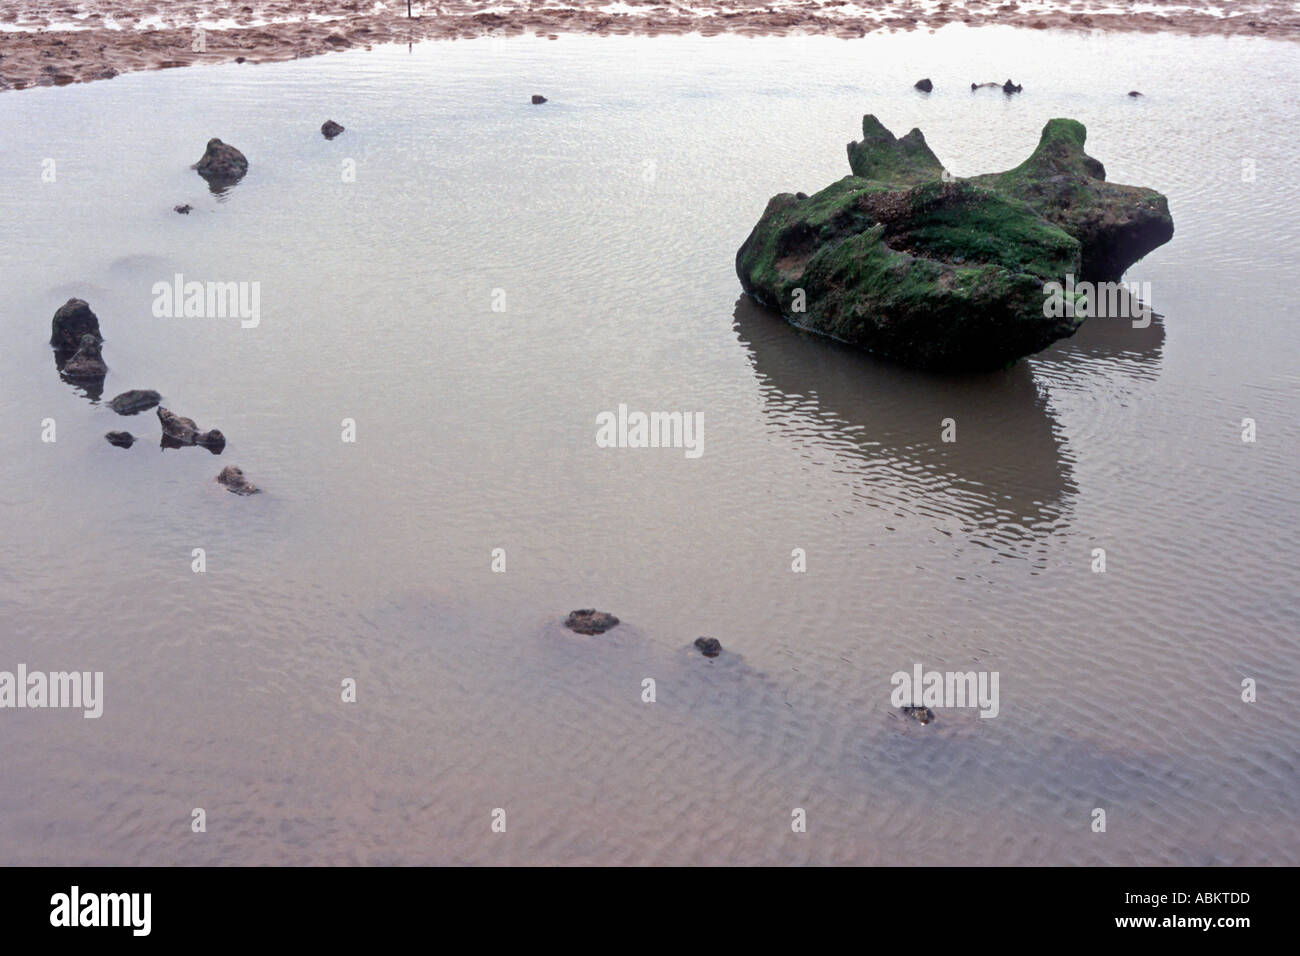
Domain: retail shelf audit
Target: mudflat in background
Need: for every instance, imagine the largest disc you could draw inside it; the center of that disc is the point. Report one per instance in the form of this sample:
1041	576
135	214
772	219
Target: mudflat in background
55	42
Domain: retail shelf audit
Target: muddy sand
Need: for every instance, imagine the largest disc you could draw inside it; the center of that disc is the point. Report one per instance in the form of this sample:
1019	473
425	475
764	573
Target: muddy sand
55	42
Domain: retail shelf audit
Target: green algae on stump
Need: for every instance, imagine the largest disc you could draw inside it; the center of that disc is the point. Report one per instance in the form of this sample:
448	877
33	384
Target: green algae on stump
902	260
940	275
885	159
1117	225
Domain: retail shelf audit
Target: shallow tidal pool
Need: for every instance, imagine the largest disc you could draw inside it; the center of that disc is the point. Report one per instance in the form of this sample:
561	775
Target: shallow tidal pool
470	281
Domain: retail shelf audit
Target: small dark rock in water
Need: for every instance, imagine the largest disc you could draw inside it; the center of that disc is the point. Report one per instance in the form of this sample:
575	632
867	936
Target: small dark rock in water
179	431
983	86
121	439
590	621
233	478
178	427
1134	93
1009	87
240	59
709	646
88	363
221	163
73	320
184	210
135	401
329	129
925	86
921	715
537	99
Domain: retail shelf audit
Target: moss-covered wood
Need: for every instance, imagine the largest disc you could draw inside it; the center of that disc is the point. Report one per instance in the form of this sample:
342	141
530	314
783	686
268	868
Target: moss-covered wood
901	260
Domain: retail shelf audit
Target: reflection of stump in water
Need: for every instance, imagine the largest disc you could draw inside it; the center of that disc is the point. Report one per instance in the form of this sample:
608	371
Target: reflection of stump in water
1007	465
91	386
84	368
1139	347
215	446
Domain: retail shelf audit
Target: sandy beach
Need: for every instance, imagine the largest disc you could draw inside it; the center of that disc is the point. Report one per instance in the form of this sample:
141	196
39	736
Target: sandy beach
50	42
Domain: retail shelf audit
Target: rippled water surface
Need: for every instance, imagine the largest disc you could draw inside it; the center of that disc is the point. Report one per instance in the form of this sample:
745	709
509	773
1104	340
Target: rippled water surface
606	222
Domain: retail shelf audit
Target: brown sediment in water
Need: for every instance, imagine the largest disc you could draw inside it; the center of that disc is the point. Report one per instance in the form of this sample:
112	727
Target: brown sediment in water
55	42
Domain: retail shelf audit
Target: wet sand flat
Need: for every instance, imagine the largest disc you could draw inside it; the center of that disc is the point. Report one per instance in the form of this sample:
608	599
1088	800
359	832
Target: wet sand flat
49	42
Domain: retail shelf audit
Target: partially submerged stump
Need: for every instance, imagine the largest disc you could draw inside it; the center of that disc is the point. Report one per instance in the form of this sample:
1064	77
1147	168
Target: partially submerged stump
590	621
221	163
904	260
233	478
922	715
179	431
71	321
709	646
135	401
88	362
